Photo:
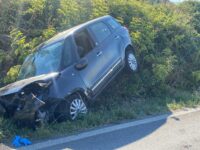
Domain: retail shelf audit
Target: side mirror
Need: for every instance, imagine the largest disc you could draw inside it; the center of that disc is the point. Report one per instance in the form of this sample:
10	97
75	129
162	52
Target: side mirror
81	64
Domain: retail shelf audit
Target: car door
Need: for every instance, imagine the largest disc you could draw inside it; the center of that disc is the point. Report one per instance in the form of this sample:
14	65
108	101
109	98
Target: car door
87	51
109	45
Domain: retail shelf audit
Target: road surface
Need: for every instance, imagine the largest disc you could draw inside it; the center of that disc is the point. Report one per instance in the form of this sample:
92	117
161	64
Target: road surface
181	132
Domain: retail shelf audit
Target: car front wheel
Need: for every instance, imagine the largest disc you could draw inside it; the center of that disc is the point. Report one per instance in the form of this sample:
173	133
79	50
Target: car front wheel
131	62
77	107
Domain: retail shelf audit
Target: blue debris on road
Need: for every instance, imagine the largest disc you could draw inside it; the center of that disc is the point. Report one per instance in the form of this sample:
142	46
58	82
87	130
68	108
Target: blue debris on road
19	141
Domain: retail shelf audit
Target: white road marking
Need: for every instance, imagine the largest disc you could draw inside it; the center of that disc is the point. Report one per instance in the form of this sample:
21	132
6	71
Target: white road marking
54	142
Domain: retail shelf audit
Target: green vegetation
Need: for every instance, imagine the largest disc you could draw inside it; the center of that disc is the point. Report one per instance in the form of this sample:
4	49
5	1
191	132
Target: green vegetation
167	42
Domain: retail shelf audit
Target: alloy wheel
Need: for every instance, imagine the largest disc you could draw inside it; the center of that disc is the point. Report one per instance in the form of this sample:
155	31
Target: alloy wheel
132	62
77	107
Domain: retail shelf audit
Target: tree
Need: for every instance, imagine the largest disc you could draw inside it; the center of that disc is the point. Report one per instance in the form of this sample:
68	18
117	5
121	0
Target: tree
99	8
68	13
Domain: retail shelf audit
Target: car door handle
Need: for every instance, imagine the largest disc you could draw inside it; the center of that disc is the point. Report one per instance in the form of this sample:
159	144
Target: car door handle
99	53
117	37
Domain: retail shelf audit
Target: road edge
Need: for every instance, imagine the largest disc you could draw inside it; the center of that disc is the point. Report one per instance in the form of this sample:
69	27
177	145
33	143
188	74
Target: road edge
87	134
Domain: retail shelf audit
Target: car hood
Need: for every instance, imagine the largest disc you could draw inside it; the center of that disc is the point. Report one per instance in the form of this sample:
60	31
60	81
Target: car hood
18	85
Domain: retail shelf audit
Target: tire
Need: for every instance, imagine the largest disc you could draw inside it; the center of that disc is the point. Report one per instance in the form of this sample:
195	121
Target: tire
73	107
131	62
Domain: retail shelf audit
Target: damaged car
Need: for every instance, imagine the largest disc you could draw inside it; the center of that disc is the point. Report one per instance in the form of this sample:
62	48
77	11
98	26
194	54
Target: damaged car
69	70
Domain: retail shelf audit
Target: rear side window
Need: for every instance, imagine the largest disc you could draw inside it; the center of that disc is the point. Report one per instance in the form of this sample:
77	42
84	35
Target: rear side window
114	24
84	43
101	31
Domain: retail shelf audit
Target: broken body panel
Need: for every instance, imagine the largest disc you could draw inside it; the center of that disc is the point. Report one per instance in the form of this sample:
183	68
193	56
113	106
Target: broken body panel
22	99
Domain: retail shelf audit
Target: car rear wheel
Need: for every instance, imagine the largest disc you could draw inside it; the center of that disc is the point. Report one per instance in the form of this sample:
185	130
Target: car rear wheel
131	62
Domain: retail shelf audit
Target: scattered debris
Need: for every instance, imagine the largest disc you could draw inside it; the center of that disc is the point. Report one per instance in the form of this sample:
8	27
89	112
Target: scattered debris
19	141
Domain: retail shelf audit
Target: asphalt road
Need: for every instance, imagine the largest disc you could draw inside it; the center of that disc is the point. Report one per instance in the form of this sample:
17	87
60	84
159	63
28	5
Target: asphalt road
180	132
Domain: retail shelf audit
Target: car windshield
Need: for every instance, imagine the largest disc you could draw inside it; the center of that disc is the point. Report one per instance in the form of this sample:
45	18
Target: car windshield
45	60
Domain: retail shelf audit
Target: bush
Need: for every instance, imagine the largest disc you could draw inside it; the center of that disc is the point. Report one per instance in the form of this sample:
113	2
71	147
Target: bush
165	36
12	74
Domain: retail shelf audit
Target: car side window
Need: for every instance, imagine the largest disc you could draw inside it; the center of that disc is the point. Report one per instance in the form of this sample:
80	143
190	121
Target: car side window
67	55
101	31
84	42
114	24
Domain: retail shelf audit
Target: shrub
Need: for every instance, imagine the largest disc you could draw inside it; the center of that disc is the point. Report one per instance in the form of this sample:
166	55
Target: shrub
165	36
12	74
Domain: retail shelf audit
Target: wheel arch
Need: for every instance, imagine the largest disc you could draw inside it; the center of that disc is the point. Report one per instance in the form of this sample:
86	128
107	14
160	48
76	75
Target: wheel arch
80	91
57	113
129	47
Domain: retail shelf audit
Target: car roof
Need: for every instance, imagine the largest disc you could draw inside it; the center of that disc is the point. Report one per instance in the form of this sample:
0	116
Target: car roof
63	35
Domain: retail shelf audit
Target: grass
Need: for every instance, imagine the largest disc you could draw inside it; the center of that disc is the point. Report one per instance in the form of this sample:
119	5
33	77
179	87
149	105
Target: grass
107	109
